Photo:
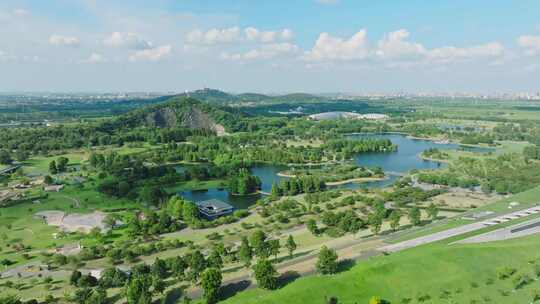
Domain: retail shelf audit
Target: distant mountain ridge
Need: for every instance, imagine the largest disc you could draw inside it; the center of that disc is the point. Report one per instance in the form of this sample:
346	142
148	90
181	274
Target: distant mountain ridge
214	96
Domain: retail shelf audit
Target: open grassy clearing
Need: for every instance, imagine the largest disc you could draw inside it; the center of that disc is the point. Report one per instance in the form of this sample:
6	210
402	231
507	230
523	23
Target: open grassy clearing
526	199
19	224
463	273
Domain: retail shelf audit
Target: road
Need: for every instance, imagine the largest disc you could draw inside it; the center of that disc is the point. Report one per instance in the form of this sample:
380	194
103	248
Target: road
514	231
432	237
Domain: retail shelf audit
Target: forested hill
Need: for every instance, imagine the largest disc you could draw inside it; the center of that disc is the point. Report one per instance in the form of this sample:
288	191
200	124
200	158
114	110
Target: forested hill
172	120
180	112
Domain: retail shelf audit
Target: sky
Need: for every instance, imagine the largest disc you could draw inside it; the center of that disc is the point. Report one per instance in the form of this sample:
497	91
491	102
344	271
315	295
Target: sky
318	46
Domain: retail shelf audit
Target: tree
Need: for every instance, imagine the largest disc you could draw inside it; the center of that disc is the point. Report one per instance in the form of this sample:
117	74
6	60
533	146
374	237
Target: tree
159	284
259	244
245	253
178	267
274	193
312	227
197	264
48	180
215	260
5	157
74	278
159	268
138	290
52	167
21	155
273	247
190	212
414	216
432	211
327	262
265	274
291	245
211	282
82	295
375	220
152	195
395	217
61	164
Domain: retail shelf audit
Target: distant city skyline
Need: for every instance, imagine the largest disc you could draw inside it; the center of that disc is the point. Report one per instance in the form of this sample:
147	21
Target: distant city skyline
314	46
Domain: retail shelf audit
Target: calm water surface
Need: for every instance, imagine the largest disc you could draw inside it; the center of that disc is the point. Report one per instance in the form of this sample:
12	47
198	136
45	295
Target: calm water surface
397	163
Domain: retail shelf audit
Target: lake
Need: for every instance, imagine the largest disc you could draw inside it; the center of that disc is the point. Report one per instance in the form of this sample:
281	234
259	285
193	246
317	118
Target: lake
406	158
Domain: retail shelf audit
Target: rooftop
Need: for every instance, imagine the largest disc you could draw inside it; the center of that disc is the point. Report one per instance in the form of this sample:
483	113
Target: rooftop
214	206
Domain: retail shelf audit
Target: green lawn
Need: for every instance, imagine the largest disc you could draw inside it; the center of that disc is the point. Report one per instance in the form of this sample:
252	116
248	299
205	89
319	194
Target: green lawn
526	199
439	273
18	224
40	164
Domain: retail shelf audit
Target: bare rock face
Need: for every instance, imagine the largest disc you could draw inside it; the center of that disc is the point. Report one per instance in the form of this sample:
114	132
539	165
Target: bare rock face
194	118
162	118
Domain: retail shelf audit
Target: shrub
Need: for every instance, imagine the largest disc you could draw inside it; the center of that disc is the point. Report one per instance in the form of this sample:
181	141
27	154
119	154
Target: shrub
240	214
521	281
505	272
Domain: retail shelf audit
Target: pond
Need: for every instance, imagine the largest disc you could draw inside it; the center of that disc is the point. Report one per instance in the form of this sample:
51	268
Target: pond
395	164
267	174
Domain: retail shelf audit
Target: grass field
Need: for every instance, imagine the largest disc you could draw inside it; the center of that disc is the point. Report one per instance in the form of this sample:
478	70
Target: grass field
20	226
437	273
526	199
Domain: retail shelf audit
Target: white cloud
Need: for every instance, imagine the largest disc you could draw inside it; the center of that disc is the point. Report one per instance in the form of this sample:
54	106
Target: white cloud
127	40
530	43
394	45
450	53
95	58
396	50
287	34
234	34
60	40
214	36
334	48
254	34
328	2
266	51
153	54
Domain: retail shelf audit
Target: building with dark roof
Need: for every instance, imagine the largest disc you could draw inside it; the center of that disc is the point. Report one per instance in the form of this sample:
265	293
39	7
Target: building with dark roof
212	209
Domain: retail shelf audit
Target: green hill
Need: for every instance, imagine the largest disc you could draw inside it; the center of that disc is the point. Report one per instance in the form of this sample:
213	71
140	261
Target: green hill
179	112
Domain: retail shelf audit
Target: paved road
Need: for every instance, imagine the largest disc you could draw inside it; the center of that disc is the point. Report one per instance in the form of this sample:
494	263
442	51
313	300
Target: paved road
432	237
515	231
462	230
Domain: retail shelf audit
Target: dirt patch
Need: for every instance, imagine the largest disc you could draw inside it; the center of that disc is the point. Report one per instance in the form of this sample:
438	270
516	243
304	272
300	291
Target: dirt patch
73	222
462	198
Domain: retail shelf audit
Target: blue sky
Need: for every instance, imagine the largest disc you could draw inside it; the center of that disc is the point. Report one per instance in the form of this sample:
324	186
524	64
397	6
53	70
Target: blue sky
270	46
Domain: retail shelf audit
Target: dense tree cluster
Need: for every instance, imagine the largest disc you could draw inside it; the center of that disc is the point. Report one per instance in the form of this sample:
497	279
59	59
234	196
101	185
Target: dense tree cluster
243	183
408	194
349	147
447	179
297	185
532	152
342	222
